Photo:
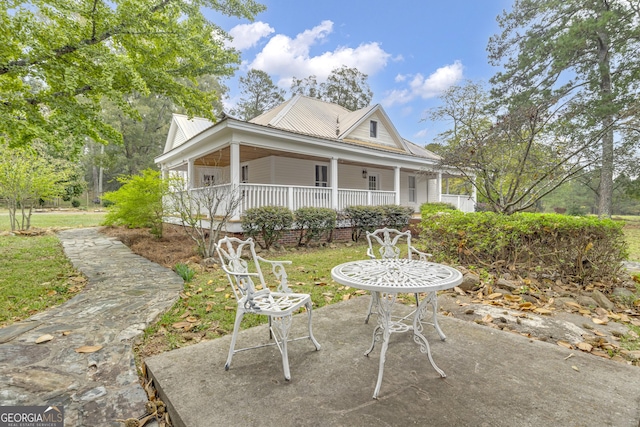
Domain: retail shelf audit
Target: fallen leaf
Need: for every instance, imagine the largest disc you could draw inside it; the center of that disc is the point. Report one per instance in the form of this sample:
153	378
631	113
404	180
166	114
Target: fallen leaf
44	338
494	295
513	298
345	297
361	292
487	319
585	346
226	307
573	304
543	311
209	307
598	321
210	282
199	290
185	314
180	325
88	348
575	368
565	344
221	289
192	319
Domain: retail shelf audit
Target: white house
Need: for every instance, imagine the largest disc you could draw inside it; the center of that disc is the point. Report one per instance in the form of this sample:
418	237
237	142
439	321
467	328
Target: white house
306	152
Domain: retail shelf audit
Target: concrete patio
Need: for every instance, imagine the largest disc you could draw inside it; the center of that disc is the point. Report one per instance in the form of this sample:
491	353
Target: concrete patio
494	378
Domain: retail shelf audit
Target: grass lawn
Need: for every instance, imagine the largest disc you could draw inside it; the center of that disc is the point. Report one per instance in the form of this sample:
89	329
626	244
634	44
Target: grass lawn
56	219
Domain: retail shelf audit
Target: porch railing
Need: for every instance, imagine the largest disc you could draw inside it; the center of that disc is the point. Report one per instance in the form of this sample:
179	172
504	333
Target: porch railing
295	197
462	202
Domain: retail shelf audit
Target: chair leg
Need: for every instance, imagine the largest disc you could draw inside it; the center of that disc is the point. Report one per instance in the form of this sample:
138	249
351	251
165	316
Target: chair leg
372	303
311	337
281	327
236	328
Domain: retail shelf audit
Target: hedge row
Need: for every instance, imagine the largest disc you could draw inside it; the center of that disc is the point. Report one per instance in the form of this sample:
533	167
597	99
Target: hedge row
579	249
269	223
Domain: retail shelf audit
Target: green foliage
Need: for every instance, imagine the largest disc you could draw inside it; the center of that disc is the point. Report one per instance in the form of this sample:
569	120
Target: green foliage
27	178
185	272
314	223
138	203
259	94
396	216
60	61
345	86
75	203
579	58
363	218
573	248
267	224
435	207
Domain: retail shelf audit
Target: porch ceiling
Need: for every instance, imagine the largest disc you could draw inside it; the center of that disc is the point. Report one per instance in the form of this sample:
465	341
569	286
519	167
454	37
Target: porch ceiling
248	153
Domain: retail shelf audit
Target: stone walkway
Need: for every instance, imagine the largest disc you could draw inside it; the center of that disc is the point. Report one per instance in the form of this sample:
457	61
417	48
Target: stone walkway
124	294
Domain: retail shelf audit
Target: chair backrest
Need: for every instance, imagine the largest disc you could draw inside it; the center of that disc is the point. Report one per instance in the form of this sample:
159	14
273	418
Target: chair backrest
239	270
387	239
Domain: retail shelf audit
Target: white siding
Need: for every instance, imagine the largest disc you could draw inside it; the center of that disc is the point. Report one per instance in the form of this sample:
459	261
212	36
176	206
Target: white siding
362	132
288	171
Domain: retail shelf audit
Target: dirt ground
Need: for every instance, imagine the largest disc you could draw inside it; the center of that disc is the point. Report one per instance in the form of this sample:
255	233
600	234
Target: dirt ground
174	247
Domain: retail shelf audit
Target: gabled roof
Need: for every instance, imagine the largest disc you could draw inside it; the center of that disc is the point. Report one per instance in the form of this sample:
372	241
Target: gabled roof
305	115
313	117
183	129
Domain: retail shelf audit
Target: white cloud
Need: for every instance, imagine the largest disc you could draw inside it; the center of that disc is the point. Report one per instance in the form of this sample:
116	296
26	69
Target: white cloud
425	88
248	35
421	133
286	57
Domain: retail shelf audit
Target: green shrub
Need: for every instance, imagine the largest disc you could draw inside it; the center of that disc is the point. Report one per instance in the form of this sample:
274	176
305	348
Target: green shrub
185	272
363	218
266	224
314	223
138	203
432	208
579	249
75	203
396	216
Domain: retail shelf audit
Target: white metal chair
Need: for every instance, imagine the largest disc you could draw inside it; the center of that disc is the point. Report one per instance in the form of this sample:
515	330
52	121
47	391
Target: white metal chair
279	306
386	240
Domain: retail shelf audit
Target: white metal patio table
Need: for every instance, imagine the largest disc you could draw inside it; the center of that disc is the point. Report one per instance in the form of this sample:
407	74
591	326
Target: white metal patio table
385	279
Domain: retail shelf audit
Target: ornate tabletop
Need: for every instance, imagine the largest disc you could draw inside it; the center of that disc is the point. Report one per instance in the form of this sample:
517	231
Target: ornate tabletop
396	275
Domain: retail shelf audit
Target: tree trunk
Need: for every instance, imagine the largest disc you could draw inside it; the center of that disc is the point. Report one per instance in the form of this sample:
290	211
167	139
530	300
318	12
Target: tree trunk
606	174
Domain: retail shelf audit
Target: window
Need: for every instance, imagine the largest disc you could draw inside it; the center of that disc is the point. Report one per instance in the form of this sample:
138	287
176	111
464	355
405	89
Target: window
244	174
373	129
321	176
208	180
373	182
412	188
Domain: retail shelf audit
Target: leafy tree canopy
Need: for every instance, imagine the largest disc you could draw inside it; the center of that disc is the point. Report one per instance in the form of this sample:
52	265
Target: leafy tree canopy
345	86
60	60
259	94
581	58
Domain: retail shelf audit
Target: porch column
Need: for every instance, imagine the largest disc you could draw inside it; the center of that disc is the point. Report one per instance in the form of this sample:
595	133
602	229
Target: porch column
334	183
396	183
190	174
234	175
439	186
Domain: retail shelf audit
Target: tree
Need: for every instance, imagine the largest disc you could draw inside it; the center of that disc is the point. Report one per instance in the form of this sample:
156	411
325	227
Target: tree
60	60
260	94
26	179
204	212
139	202
582	55
514	157
345	86
306	87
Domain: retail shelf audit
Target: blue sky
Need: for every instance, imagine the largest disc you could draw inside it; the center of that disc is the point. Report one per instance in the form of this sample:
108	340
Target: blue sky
411	50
